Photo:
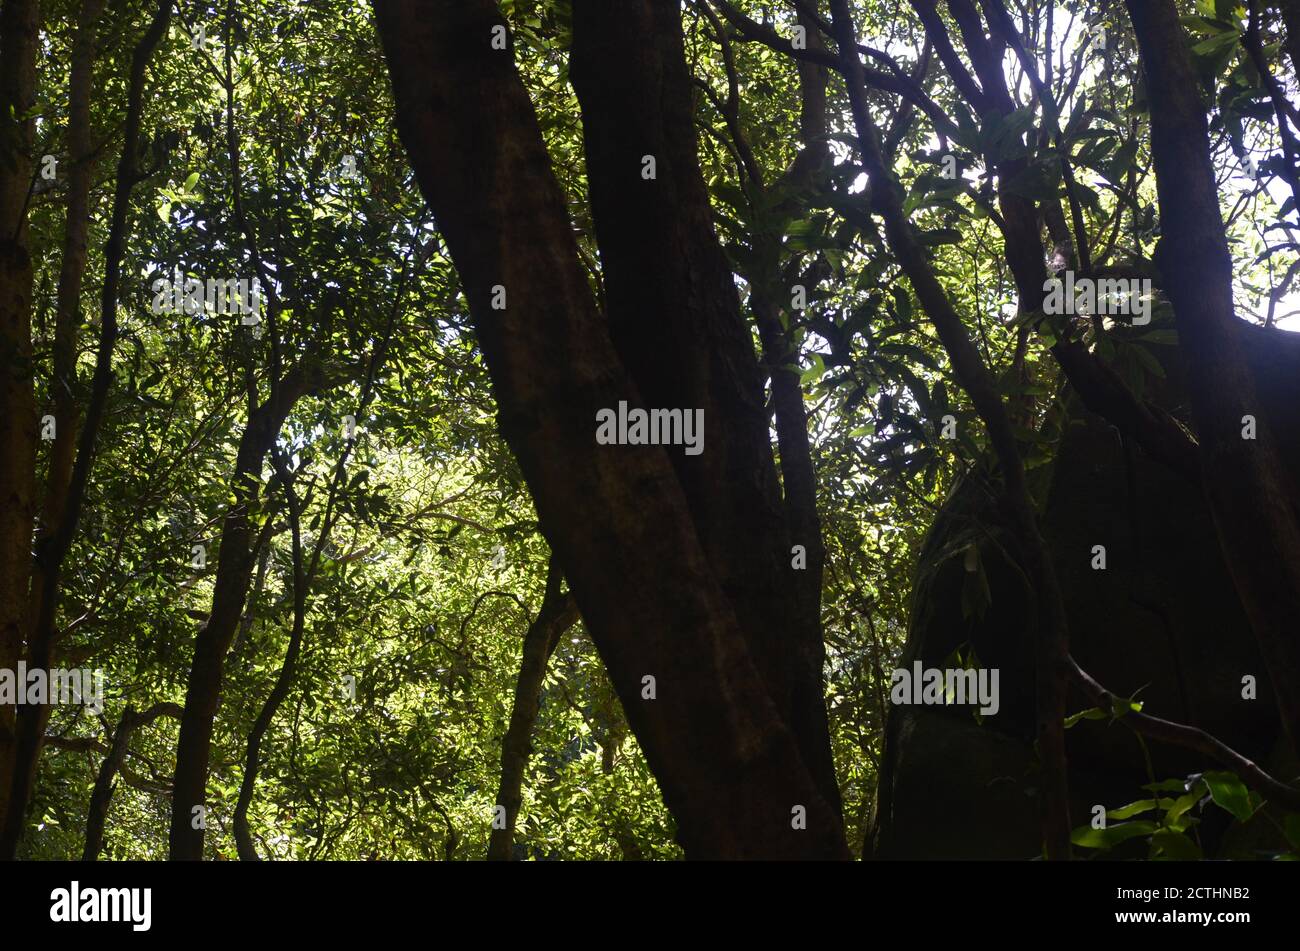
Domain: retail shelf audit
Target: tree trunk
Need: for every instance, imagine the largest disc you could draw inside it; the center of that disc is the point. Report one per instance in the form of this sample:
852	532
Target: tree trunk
68	318
1051	633
284	680
230	589
72	270
675	320
52	546
1251	495
19	22
557	614
102	795
616	516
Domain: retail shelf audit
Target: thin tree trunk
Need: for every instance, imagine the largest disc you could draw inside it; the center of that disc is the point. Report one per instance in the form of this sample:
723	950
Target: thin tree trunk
616	516
557	614
230	589
304	574
252	757
52	547
71	273
102	795
81	166
1051	635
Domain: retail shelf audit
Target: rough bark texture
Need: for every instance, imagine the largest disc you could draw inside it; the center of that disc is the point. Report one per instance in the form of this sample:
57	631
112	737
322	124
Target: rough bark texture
675	320
1250	493
616	516
557	614
19	20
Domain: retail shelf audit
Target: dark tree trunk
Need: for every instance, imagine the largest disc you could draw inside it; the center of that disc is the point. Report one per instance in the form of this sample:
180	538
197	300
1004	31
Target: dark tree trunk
557	614
102	795
675	320
72	269
1051	633
616	516
52	546
1251	495
235	564
19	22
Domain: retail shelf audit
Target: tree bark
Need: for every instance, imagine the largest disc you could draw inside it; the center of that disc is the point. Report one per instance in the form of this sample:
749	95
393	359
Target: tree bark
616	516
52	547
19	22
557	614
230	589
1051	634
675	320
72	270
1250	493
102	795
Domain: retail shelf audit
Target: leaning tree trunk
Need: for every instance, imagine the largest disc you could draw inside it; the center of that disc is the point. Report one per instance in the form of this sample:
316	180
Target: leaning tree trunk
101	797
675	320
617	516
235	564
557	615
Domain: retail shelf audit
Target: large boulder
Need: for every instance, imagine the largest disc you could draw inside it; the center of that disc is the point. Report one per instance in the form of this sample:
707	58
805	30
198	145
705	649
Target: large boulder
1161	622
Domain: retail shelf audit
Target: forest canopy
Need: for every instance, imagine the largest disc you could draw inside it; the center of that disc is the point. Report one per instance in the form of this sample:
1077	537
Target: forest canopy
632	429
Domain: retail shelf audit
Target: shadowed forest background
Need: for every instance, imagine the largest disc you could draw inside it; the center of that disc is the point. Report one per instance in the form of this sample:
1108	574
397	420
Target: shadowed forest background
362	582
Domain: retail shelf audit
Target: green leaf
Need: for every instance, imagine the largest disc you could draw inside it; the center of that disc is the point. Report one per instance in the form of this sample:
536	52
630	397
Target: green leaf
1121	706
1136	808
1215	44
1174	845
814	372
1167	785
1230	793
1111	836
1093	713
1174	814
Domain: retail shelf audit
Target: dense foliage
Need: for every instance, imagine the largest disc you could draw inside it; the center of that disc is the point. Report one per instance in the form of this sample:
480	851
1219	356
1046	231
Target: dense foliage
389	519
